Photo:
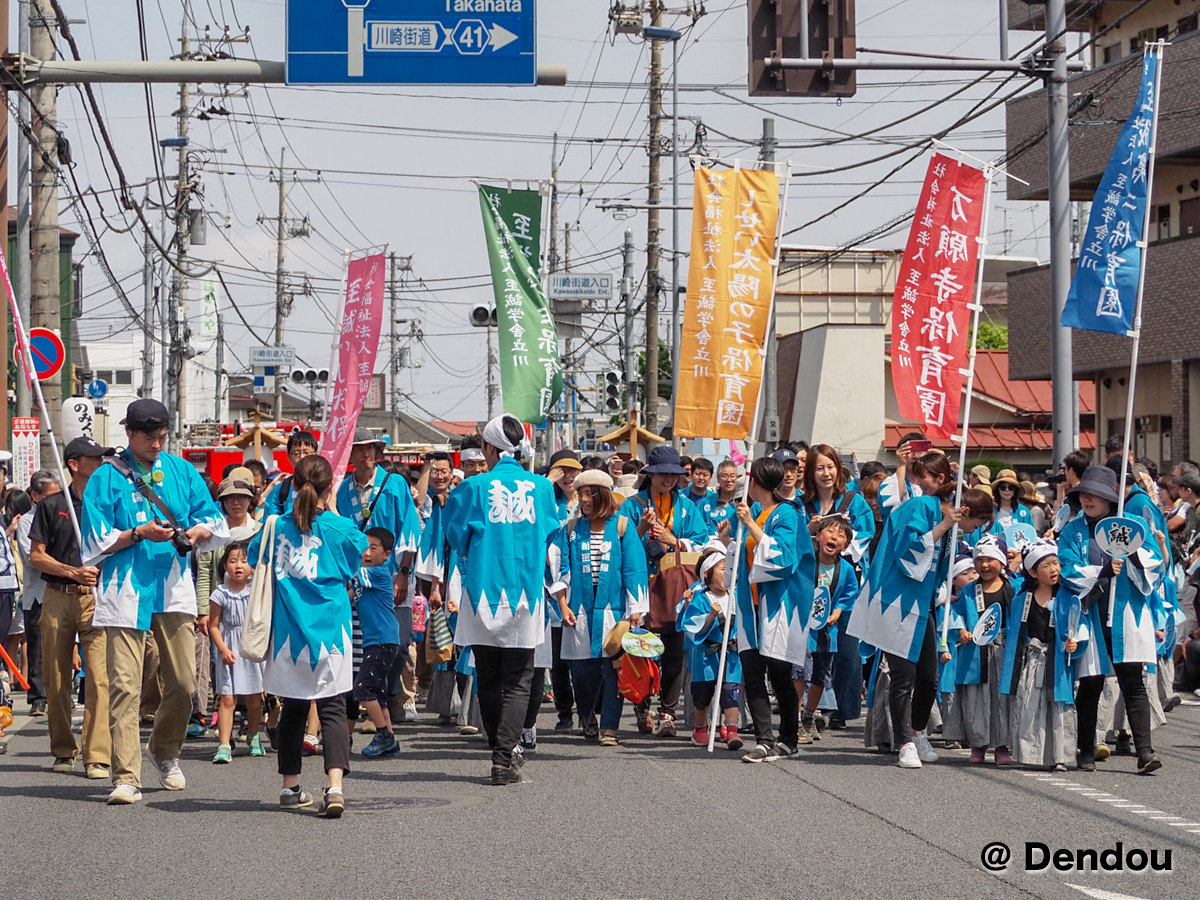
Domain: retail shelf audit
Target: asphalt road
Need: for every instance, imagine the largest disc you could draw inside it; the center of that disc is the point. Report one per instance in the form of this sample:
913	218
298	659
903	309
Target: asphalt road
652	818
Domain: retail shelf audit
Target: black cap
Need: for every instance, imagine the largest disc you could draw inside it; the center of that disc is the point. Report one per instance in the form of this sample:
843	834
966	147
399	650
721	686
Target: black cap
85	446
141	413
786	455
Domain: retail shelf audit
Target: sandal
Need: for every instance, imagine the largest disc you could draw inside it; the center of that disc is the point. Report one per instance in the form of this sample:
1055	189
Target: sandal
609	740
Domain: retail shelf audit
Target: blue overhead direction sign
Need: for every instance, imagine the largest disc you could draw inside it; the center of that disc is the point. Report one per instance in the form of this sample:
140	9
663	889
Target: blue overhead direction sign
449	42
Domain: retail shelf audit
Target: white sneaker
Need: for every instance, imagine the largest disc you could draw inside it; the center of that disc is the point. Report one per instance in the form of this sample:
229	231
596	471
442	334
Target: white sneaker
909	758
124	794
169	774
410	711
924	749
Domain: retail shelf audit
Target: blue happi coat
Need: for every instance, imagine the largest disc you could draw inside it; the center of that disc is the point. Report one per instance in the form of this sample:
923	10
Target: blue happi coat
620	592
965	609
502	523
908	567
1137	597
310	655
782	567
842	597
862	520
394	510
150	576
889	499
1020	516
275	503
687	523
1014	649
704	644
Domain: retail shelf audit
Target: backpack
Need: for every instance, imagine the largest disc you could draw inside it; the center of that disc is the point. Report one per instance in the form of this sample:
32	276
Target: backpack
638	678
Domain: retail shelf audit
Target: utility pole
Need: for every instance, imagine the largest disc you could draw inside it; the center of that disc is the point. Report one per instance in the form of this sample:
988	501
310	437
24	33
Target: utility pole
553	257
21	258
652	220
220	364
280	245
44	297
491	384
627	305
394	348
147	313
177	303
1058	157
770	387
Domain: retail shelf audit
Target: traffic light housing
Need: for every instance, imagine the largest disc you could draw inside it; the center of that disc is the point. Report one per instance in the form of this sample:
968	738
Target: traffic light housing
774	31
483	316
612	391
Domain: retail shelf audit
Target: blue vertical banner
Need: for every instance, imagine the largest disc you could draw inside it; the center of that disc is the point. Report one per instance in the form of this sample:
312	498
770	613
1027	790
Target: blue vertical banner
1104	292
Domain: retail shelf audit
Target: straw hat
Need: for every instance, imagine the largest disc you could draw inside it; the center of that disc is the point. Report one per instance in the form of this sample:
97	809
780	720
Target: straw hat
1006	476
612	641
593	478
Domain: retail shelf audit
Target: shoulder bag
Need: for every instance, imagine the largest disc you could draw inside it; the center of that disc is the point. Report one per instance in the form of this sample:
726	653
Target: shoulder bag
256	633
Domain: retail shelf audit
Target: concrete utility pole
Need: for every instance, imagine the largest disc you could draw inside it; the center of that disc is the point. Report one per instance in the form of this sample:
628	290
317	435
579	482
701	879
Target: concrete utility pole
770	387
627	305
491	383
21	259
177	312
220	365
147	313
398	264
1059	161
653	232
44	298
280	246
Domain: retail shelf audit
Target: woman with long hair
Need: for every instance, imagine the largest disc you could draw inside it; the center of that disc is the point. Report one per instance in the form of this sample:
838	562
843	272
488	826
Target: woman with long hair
894	610
602	582
315	554
1006	490
775	585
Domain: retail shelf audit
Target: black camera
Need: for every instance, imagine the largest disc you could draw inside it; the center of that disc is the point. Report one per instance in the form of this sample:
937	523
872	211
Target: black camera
655	550
179	539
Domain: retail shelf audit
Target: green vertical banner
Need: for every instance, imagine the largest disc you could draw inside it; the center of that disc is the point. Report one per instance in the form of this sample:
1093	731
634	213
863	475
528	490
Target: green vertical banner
530	366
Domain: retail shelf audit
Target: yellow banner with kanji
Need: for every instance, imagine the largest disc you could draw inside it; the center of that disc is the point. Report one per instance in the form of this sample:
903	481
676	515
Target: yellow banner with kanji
731	282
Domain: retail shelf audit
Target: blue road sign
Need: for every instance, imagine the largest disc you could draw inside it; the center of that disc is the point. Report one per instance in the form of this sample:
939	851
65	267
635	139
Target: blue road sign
97	389
411	42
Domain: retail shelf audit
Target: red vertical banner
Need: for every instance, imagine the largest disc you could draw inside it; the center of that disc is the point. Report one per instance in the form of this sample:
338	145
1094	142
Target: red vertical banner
358	344
930	315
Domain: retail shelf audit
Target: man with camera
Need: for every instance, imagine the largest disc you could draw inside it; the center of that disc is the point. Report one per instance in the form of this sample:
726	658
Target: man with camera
143	514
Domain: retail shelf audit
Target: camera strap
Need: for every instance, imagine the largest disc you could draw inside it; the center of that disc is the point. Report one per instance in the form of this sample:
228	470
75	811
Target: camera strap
118	462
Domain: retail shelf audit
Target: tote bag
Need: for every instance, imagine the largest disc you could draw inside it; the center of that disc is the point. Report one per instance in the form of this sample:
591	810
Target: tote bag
439	639
256	634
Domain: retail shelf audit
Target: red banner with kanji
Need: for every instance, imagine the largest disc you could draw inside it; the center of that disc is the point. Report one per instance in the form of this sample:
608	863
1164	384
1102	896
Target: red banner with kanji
930	315
358	343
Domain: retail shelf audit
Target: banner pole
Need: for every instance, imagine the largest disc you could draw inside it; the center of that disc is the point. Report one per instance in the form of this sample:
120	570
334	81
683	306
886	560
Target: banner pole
1143	245
756	419
36	384
976	308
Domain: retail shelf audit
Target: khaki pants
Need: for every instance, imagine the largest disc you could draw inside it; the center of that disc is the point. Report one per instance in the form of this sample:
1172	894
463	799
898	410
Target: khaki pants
174	637
203	674
67	611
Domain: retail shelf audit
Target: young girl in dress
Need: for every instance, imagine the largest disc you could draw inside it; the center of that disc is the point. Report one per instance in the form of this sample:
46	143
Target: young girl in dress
1039	673
238	680
701	616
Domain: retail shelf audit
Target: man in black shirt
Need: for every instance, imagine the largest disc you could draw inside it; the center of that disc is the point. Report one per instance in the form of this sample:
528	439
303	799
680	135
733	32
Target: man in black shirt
66	611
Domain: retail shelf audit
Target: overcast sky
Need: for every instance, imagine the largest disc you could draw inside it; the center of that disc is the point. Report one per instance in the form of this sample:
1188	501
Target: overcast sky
397	162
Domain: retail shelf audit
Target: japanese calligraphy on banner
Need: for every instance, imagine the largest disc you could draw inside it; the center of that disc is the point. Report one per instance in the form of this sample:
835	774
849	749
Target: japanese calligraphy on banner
358	343
26	449
1104	291
731	284
530	366
930	319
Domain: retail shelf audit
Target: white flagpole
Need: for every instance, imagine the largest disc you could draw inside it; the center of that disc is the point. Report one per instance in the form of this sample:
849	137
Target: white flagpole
1136	334
31	375
976	308
739	538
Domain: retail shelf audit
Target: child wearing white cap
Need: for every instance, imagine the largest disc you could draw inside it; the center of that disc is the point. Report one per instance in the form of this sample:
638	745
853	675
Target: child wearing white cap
1039	670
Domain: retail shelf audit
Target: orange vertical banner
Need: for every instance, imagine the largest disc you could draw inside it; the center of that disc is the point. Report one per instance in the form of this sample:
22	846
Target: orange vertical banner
731	283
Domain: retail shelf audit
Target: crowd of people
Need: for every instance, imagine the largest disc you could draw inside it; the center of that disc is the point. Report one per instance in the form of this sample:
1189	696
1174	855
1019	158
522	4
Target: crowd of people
780	600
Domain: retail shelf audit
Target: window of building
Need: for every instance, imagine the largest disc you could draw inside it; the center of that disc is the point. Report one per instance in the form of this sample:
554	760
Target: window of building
1189	216
1187	23
123	376
1162	32
1135	43
1112	53
105	375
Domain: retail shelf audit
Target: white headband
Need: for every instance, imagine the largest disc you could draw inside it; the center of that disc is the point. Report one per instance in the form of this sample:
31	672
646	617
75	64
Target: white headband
989	546
710	563
1037	551
962	566
493	433
471	454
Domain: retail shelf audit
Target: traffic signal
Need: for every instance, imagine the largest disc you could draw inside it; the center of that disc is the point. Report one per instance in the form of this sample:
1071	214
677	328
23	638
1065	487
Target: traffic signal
309	376
483	316
774	33
612	391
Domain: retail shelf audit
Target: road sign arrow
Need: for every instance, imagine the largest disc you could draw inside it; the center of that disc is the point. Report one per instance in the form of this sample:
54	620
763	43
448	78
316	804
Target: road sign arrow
501	37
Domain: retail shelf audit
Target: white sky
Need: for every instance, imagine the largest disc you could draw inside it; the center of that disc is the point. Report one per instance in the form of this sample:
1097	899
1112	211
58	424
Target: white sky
414	150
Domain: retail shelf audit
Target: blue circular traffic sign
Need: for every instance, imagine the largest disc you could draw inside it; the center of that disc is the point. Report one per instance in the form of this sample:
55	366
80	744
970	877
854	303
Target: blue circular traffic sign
97	389
47	351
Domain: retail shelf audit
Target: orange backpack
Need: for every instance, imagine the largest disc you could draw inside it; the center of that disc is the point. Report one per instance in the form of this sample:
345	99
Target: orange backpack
638	678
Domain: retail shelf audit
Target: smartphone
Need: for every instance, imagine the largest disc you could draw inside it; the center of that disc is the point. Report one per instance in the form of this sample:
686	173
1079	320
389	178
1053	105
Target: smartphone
919	447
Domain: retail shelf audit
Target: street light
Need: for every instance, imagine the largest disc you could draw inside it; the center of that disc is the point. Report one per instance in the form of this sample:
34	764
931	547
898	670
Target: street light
657	33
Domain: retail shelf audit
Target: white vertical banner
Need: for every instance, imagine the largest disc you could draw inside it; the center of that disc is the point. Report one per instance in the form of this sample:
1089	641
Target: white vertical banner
26	449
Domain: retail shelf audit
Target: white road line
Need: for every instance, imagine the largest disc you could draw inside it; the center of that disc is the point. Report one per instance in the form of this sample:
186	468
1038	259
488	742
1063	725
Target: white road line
1184	824
1164	817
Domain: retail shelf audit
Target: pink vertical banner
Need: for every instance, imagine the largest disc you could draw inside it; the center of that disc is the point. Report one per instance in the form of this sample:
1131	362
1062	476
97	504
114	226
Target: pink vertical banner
358	344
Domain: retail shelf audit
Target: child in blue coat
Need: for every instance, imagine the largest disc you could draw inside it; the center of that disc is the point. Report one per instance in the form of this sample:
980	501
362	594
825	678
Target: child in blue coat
701	616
